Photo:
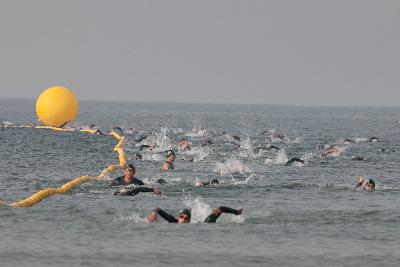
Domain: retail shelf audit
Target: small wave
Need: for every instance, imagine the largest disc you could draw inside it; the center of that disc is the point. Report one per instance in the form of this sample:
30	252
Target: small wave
135	217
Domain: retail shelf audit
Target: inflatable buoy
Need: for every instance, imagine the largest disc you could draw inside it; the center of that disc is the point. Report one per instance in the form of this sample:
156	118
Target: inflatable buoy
57	106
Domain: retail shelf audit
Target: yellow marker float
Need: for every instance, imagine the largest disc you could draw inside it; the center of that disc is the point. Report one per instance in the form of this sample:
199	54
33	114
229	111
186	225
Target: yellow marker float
57	106
39	196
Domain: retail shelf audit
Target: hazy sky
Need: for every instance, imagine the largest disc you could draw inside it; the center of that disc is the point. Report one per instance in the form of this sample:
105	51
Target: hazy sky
275	52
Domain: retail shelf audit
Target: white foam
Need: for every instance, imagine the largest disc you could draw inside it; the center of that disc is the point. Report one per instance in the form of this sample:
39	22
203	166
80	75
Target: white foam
135	217
280	159
197	132
231	166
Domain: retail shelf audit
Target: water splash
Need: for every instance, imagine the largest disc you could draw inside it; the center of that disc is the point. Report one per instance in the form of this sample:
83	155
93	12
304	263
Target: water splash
280	159
231	166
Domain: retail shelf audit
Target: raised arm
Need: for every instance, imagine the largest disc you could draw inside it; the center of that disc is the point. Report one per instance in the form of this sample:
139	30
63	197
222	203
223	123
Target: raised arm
360	183
166	216
212	218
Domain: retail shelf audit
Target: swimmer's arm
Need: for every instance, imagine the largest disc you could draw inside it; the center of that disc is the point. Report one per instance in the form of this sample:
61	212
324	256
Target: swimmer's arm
212	218
137	181
166	216
138	190
360	184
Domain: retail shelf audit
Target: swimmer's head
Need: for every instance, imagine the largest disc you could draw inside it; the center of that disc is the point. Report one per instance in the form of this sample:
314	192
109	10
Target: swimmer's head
214	181
184	216
370	185
170	152
130	169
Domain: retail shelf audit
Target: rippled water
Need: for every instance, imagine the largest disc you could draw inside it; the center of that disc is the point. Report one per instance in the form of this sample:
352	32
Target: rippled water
305	215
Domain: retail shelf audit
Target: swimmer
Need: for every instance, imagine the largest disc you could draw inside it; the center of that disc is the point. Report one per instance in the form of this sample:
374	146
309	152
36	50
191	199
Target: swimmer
183	145
185	215
207	142
358	158
128	178
290	162
161	181
273	147
330	151
275	136
190	158
118	129
203	183
132	192
348	141
365	184
387	150
169	162
374	139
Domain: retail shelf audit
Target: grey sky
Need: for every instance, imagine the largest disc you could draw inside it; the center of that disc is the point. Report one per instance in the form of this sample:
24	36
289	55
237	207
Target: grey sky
276	52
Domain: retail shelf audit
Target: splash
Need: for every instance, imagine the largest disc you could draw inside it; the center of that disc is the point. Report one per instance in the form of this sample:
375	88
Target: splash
231	166
197	132
280	159
200	211
135	217
163	142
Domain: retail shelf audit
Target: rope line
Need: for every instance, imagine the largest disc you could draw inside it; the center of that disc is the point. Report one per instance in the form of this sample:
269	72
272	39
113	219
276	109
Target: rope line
42	194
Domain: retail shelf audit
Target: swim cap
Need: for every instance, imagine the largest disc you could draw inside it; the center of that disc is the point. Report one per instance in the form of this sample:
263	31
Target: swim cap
371	182
187	212
130	167
170	152
214	181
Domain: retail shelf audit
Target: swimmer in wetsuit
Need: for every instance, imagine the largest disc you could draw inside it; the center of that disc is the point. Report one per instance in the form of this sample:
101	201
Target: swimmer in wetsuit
169	162
183	145
330	151
128	178
365	184
137	190
185	215
290	162
203	183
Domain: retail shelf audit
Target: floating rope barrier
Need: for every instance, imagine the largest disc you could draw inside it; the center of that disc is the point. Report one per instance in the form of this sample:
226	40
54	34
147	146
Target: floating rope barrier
39	196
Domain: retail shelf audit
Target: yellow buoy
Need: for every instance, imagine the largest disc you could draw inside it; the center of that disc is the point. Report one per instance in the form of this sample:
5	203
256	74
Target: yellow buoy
56	106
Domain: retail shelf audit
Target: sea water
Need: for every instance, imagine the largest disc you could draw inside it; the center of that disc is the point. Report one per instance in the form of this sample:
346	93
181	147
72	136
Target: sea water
301	215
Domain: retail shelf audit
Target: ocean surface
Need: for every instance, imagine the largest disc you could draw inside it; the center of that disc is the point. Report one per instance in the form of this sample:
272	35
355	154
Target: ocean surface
301	215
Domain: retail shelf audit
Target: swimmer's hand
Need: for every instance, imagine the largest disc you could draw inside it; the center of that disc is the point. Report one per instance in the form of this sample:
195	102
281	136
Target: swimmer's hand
239	211
121	191
157	192
198	183
152	217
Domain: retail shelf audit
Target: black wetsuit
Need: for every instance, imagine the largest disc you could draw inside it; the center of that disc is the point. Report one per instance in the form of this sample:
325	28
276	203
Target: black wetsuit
121	181
134	191
212	218
290	162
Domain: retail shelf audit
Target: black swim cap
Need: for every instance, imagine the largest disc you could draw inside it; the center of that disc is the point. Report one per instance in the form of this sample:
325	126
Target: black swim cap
187	212
130	167
214	181
370	181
